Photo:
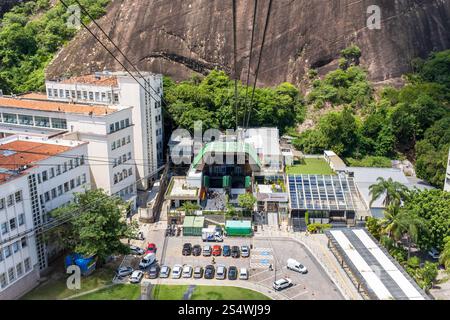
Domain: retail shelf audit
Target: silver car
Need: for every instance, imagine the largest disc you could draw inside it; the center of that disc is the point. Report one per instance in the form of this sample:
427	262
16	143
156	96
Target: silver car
206	251
136	276
221	272
124	271
176	271
187	271
245	251
164	272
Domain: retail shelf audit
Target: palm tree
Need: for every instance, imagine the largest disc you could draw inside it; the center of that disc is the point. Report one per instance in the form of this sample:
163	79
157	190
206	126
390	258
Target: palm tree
395	191
390	224
444	258
189	207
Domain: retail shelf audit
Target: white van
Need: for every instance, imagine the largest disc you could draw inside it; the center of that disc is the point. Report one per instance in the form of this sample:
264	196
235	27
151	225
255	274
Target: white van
147	261
296	266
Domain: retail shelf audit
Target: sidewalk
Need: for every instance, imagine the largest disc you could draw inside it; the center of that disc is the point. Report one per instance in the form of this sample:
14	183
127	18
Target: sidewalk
317	246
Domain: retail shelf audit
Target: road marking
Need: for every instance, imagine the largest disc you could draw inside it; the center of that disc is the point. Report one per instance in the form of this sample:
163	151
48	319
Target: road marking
271	276
255	274
299	294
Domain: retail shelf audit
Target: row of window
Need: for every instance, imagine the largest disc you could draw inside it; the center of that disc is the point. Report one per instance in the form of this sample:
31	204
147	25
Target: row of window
122	159
118	177
158	118
11	200
60	168
83	95
158	131
15	272
8	251
120	142
37	121
63	188
125	191
12	224
119	125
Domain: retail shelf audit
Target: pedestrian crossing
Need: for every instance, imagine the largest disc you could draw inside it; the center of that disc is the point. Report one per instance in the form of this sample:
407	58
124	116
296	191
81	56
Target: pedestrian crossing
261	258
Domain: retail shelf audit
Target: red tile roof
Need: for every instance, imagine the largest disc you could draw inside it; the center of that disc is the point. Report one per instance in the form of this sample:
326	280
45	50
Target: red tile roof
102	80
54	106
26	153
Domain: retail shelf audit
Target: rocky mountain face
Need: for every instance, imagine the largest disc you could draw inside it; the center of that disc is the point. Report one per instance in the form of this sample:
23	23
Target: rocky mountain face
181	37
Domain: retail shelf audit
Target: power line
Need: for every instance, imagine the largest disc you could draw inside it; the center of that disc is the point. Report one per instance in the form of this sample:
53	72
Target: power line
259	60
250	59
235	61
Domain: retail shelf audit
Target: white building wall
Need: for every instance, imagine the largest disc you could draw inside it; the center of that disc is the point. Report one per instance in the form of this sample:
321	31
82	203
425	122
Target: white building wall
447	174
18	259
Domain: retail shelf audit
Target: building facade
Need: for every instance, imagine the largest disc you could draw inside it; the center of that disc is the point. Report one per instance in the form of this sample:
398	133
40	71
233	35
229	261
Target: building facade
37	175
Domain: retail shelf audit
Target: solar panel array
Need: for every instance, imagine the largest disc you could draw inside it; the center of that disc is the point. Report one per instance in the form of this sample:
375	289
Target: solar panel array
322	192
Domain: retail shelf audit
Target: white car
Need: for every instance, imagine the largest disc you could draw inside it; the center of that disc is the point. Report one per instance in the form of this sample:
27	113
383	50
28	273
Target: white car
243	274
136	276
282	283
221	272
147	261
296	266
176	271
164	272
206	251
245	251
187	271
136	250
124	271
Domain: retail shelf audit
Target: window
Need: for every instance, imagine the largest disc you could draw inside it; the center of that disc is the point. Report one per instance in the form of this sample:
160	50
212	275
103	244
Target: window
116	98
116	126
97	96
61	93
103	96
26	120
66	187
118	143
7	251
115	178
44	176
23	242
77	162
82	160
47	196
3	281
42	121
70	164
11	275
83	178
67	94
19	269
1	256
54	194
91	95
78	181
72	184
124	158
65	167
85	95
73	94
79	95
16	246
51	173
59	123
113	145
55	92
122	124
127	122
12	224
60	190
10	200
18	196
130	172
4	228
124	141
58	169
9	118
128	139
125	173
129	155
27	263
21	219
50	92
111	127
2	203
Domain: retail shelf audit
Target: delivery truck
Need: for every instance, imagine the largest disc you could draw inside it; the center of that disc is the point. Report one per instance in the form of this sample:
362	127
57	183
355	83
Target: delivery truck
212	234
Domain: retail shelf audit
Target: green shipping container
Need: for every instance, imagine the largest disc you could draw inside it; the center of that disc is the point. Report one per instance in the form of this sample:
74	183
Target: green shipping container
193	225
206	181
248	182
226	182
238	228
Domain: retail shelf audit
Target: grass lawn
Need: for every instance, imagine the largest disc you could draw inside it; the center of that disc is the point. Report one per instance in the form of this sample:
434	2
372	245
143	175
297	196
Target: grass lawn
116	292
169	292
55	289
310	166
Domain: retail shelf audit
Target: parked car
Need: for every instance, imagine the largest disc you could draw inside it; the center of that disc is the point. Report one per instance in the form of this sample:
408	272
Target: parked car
245	251
232	273
151	248
198	272
216	250
136	276
294	265
206	251
136	250
226	251
176	271
187	249
187	271
282	283
235	252
164	272
221	272
196	250
433	253
124	271
147	261
153	271
243	274
209	271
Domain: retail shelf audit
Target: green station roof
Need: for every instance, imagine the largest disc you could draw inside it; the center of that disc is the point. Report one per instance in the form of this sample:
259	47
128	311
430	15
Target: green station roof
226	147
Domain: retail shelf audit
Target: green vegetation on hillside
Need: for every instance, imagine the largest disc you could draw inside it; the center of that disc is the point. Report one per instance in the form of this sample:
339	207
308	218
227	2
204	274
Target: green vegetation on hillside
30	35
412	121
212	101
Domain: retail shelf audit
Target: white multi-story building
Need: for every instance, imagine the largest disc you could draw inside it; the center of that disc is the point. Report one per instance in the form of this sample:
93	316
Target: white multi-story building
37	175
447	174
122	91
